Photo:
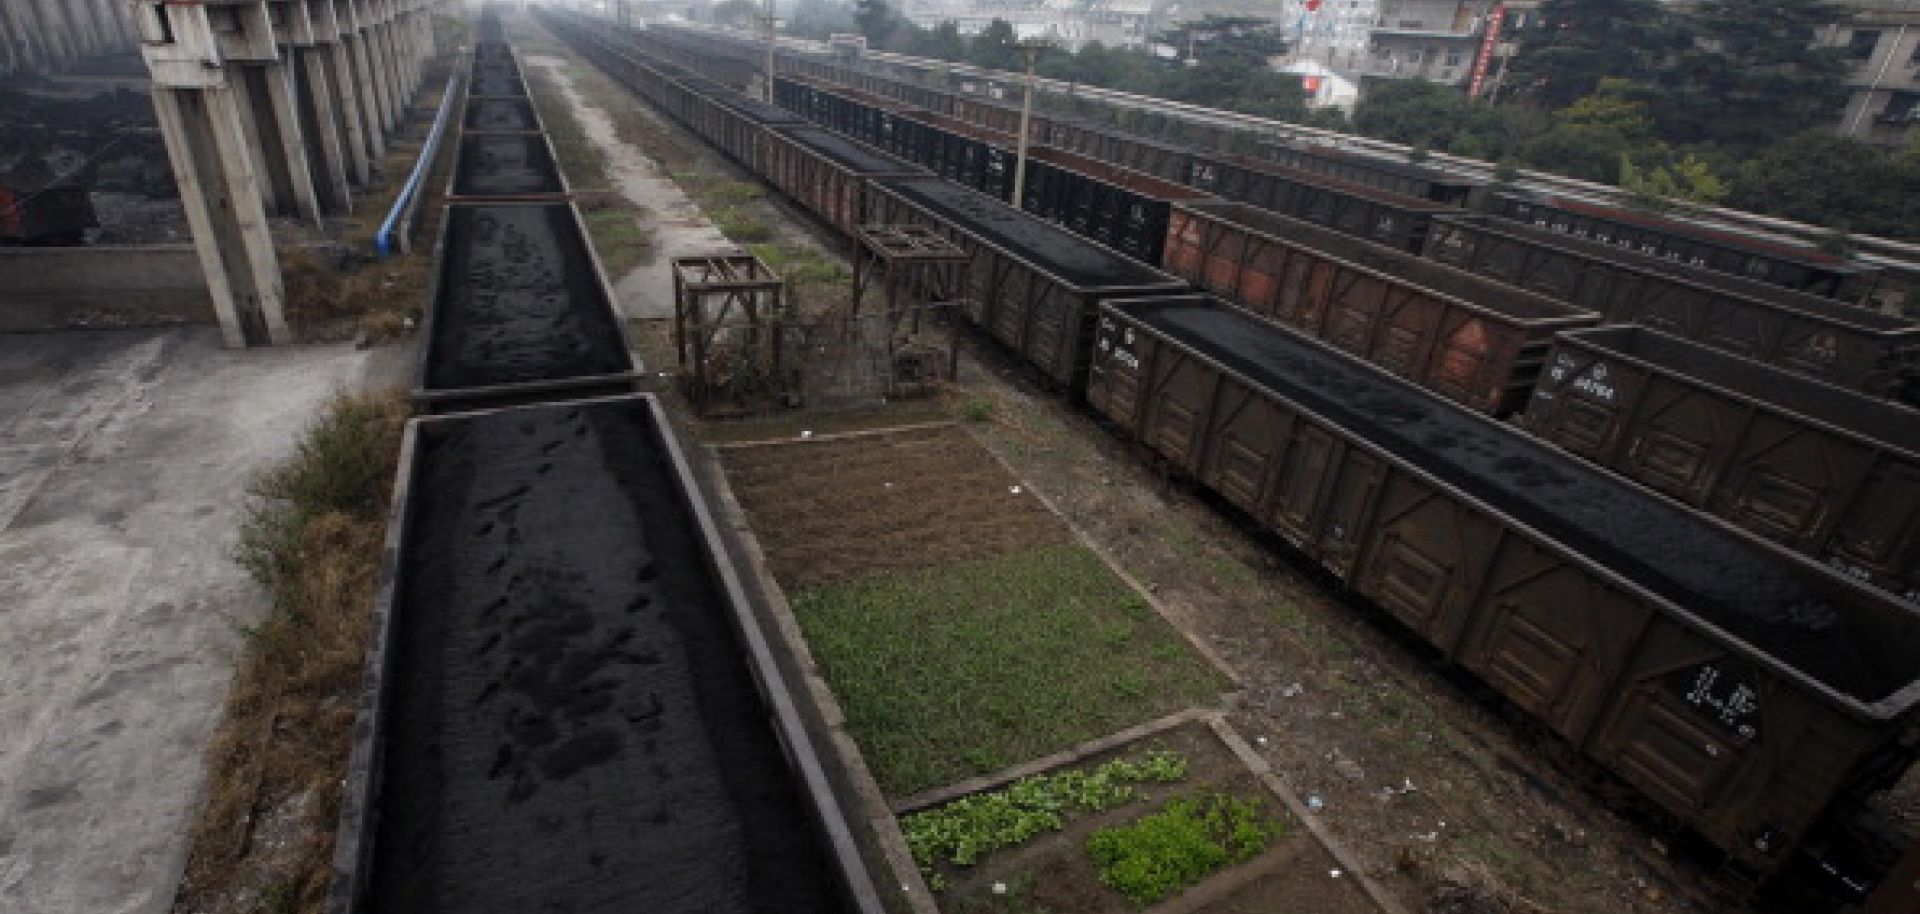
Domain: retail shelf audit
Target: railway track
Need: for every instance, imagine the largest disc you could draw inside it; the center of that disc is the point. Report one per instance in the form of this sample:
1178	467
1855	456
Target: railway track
1752	693
570	703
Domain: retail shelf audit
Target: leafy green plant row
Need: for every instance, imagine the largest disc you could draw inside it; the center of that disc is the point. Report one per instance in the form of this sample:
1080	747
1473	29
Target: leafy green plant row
1180	845
966	829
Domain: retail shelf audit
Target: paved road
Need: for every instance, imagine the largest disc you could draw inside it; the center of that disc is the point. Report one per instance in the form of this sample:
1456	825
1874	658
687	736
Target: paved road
123	457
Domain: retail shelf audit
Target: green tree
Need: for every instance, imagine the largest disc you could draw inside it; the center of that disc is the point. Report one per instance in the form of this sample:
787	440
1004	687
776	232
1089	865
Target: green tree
997	48
1419	113
1242	41
1585	41
1657	186
877	21
820	18
1823	179
1591	137
942	42
1750	74
1229	67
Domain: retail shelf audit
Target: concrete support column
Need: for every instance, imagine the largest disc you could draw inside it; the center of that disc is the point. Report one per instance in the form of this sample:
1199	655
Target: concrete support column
255	123
23	28
320	122
55	33
353	119
276	82
390	72
219	192
86	42
373	100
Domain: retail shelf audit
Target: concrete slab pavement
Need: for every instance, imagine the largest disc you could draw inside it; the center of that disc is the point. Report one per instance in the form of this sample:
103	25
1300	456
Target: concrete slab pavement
124	457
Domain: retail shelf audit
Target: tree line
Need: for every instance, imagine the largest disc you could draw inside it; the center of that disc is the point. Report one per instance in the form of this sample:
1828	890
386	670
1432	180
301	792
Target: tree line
1719	101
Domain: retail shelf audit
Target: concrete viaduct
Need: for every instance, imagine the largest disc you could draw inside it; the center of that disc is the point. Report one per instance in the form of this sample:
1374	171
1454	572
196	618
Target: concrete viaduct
274	108
269	108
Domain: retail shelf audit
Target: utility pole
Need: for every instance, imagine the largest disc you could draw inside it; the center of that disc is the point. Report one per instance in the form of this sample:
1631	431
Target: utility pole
1033	47
772	30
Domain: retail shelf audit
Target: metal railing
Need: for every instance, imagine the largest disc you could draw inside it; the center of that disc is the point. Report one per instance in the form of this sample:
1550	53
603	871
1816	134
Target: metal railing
397	230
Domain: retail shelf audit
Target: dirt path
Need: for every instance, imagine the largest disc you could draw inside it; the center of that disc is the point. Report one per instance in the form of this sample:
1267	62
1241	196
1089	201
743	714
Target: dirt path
677	226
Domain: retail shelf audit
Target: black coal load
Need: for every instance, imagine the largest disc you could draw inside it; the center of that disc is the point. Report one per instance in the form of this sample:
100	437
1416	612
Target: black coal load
572	723
1048	247
518	301
501	115
506	165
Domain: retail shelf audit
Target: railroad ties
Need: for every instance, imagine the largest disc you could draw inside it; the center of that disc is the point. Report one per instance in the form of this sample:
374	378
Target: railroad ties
571	704
1334	347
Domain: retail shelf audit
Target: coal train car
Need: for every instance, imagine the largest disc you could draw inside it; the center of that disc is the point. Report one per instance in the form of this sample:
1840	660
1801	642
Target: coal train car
1403	178
1851	347
1751	693
1817	468
1031	285
1794	267
1477	342
1742	689
569	696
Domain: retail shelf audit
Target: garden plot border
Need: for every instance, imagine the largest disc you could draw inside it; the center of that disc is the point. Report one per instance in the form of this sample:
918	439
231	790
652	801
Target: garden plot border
882	817
1214	887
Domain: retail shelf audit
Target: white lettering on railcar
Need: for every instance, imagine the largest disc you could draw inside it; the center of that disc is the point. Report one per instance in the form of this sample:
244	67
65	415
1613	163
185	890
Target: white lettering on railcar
1595	383
1731	702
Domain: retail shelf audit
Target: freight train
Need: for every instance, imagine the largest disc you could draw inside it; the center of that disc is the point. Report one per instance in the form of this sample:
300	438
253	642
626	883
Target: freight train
569	697
1753	695
1472	320
1623	278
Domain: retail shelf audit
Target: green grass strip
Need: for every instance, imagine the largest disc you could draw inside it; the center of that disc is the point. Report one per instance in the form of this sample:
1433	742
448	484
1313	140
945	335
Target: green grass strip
963	670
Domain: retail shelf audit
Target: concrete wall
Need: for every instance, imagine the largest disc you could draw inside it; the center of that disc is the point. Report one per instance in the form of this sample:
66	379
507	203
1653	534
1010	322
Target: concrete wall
69	288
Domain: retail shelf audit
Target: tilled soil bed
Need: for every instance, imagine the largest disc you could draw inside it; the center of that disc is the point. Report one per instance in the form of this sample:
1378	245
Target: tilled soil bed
836	510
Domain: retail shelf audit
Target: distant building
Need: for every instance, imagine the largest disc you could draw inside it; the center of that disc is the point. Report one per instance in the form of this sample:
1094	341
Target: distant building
1883	39
1461	43
1069	24
1334	34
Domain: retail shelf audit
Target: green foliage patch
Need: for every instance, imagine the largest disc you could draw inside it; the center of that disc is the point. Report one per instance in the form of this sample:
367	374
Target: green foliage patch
963	831
962	670
1180	845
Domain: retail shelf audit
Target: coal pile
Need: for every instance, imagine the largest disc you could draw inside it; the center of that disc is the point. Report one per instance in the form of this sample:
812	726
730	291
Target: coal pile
504	165
847	153
501	115
1729	582
1053	250
572	724
518	301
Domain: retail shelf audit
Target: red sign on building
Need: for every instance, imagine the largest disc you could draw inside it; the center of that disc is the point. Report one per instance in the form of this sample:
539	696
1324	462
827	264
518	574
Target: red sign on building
1495	18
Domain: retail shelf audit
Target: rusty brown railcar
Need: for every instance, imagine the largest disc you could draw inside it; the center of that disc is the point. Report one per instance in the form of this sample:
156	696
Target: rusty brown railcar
1474	341
1032	285
1838	343
1744	689
826	173
1817	468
